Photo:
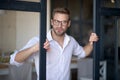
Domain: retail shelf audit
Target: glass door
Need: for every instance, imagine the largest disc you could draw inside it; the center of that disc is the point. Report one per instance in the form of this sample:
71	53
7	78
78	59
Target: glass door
103	62
107	26
108	50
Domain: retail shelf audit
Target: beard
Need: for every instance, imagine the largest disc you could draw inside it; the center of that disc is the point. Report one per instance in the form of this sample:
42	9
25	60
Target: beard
59	31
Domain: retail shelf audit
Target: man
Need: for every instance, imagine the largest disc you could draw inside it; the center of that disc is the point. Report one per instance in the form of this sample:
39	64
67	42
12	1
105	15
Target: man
60	48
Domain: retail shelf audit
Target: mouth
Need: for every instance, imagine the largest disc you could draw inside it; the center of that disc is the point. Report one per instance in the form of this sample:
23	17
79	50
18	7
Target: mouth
59	30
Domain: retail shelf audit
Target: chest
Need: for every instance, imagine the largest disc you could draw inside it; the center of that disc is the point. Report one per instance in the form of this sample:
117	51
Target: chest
57	53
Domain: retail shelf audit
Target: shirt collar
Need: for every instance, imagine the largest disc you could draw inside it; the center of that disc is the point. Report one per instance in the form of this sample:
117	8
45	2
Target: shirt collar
49	37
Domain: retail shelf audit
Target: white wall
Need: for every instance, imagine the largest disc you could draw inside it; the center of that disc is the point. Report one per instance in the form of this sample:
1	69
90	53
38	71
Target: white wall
27	26
8	31
0	34
17	27
48	14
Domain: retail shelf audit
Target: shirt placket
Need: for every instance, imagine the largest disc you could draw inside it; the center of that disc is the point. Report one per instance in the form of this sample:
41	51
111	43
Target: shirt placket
61	62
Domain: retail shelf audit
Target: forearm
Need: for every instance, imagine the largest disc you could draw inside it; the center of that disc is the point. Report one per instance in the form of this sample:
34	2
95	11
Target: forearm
88	48
24	54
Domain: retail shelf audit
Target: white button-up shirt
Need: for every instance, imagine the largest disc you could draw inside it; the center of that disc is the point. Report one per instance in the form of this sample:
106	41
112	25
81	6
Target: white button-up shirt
58	58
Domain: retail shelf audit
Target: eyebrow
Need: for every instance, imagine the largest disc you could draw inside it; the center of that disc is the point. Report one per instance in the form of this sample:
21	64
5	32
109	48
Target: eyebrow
59	20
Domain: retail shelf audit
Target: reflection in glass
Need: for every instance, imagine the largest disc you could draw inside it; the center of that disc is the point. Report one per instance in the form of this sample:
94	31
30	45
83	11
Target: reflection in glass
74	9
108	3
16	28
109	46
119	48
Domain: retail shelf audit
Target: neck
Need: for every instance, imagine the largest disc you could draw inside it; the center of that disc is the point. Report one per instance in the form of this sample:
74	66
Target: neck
58	38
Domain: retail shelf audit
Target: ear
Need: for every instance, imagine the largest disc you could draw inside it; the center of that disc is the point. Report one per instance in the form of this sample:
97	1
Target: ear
51	21
69	23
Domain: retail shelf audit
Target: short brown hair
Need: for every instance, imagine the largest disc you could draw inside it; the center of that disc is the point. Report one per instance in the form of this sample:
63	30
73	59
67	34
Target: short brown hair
61	10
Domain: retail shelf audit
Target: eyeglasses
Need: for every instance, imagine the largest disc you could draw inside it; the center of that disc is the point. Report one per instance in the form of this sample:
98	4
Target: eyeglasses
57	22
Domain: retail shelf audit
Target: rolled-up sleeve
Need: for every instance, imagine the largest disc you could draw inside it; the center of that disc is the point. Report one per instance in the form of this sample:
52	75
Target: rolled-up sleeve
12	59
78	50
29	44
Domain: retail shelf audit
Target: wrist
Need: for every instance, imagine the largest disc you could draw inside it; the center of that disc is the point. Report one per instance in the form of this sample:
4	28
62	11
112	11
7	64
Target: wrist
90	43
33	49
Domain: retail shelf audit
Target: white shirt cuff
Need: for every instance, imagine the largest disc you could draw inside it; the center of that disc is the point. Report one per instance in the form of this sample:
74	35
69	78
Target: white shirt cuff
12	60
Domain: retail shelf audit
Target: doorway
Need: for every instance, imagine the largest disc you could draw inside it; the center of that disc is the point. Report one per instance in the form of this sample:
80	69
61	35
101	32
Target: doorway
107	49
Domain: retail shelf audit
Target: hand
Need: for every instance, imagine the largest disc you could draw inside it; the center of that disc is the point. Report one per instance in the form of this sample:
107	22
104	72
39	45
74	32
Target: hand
93	38
46	45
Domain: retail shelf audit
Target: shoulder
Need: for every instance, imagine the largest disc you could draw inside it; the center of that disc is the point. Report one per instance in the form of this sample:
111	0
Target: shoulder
33	40
73	41
72	38
36	39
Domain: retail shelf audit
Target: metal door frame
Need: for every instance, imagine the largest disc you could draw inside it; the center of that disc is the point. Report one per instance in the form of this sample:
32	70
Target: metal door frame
99	11
32	7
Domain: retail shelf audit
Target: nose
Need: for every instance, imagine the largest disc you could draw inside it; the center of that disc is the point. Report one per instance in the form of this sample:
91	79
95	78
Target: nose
60	24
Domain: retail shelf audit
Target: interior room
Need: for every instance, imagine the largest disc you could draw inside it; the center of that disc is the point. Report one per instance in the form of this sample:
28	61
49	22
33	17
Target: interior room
17	27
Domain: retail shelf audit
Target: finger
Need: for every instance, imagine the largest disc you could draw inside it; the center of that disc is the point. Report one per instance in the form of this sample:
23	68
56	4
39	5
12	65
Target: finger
93	38
93	34
46	42
47	45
